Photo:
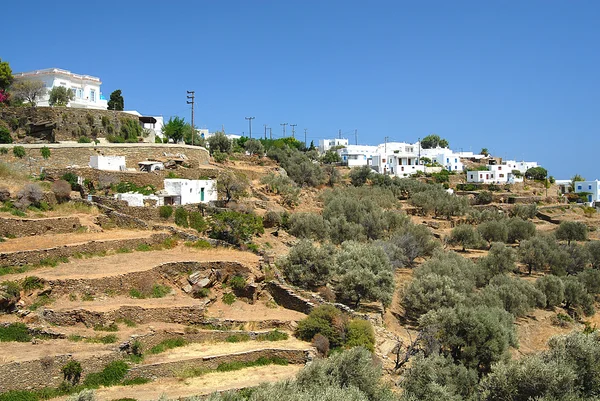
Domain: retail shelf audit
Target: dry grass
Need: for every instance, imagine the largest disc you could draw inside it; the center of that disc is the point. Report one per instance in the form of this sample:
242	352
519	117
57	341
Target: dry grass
12	179
70	208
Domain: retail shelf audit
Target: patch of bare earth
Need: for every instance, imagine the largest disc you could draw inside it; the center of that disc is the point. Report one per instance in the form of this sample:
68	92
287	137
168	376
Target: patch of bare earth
535	330
174	388
242	311
50	241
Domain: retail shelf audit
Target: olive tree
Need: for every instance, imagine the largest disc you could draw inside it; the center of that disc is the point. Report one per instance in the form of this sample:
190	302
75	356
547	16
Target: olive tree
231	185
465	235
553	288
363	272
493	231
571	231
307	265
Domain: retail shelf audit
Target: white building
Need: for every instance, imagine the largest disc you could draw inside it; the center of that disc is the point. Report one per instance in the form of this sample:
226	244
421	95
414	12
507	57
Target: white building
136	199
357	155
445	157
592	187
85	88
495	174
326	144
109	163
180	191
397	158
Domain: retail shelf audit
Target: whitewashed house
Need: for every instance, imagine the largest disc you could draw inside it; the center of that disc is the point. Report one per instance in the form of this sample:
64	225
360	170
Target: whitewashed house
85	88
326	144
179	191
357	155
445	157
136	199
500	173
397	158
108	163
592	187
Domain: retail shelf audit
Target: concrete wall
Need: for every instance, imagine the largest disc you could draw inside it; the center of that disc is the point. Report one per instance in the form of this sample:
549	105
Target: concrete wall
19	258
27	227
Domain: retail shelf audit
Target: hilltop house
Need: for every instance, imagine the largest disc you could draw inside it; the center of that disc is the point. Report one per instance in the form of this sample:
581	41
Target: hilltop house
591	188
357	155
86	88
177	191
508	172
326	144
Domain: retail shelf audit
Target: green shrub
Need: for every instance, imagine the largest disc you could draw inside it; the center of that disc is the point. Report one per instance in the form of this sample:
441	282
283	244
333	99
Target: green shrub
262	361
235	227
360	333
19	151
72	371
325	320
32	283
181	217
238	338
237	282
228	298
19	395
84	139
5	136
165	211
197	222
201	293
143	248
274	335
112	374
111	327
160	291
12	288
14	332
45	152
135	293
168	344
200	244
71	178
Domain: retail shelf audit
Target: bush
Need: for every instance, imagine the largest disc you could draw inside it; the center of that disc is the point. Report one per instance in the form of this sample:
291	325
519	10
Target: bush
19	152
571	231
308	266
72	179
62	190
29	195
321	343
326	320
493	231
308	226
84	395
483	198
165	211
577	297
72	371
235	227
197	222
181	217
237	282
229	298
271	219
464	235
45	152
360	175
14	332
519	230
112	374
32	283
5	136
274	335
84	139
360	333
168	344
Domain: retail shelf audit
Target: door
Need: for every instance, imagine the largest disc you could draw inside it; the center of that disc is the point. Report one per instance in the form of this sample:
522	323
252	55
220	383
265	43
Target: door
201	194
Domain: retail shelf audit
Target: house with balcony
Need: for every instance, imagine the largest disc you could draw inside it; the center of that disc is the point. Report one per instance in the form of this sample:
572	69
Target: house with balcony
591	190
85	88
357	155
397	158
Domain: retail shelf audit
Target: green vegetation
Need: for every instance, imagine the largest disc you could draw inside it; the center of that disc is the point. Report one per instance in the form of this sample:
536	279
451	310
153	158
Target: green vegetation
229	298
274	335
14	332
157	291
237	338
19	152
165	211
167	345
199	244
234	227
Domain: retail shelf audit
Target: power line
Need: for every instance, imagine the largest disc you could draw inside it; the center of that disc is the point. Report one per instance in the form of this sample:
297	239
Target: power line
293	130
250	124
192	95
283	125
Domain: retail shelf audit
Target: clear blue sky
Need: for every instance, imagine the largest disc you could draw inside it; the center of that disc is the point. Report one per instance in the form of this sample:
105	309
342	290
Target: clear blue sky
518	77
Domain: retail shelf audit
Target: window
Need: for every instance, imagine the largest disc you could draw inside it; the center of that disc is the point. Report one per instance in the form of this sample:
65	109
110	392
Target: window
579	187
501	175
79	93
499	167
471	176
92	95
589	187
74	91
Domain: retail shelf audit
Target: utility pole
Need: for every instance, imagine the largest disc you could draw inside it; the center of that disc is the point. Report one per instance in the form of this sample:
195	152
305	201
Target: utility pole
356	137
386	139
305	129
192	95
283	125
340	134
250	124
270	133
265	130
419	159
293	130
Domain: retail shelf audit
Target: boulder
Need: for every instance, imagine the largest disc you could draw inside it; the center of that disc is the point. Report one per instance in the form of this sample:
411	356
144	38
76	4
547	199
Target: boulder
9	297
4	194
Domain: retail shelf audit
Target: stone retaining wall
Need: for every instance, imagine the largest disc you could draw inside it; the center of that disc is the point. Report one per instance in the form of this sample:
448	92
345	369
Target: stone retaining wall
175	314
212	362
46	372
78	154
19	258
11	227
122	283
287	298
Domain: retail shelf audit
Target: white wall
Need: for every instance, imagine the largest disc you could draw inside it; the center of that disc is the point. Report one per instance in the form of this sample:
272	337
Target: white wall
589	186
192	191
109	163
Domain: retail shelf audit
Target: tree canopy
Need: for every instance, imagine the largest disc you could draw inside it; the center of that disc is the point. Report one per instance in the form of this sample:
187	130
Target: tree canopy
60	96
433	141
28	91
174	128
6	77
116	101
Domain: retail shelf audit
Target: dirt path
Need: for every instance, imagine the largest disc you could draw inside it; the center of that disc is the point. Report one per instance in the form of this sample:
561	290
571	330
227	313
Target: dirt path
174	388
136	261
197	350
243	311
50	241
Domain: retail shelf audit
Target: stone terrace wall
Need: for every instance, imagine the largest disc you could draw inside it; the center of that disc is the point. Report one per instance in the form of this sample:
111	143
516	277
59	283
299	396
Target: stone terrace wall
174	314
35	256
26	227
63	123
212	362
63	155
121	284
46	372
